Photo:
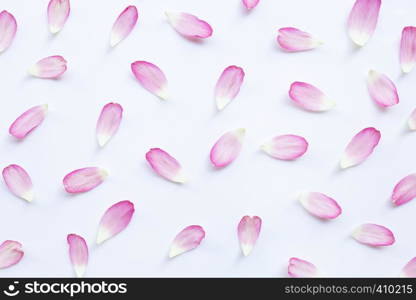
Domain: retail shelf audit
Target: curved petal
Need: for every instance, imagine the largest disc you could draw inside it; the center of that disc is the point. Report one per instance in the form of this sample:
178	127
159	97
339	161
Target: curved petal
373	235
8	28
362	20
309	97
228	86
408	49
294	40
301	268
10	253
189	25
58	13
405	190
286	147
227	148
165	165
124	25
50	67
320	205
382	90
186	240
248	231
151	78
250	4
78	253
28	121
18	182
409	270
108	122
84	180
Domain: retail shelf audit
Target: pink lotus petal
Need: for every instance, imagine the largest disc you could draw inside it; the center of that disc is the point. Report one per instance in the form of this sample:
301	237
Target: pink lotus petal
189	25
362	20
360	147
228	86
405	190
412	120
151	78
10	253
78	253
186	240
58	12
108	122
124	25
165	165
114	220
408	49
227	148
18	182
382	90
84	180
250	4
294	40
28	121
248	231
301	268
8	27
373	235
286	147
320	205
409	270
309	97
49	67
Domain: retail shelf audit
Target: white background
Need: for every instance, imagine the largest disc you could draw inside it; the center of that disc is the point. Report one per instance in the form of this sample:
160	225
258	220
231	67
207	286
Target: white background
188	124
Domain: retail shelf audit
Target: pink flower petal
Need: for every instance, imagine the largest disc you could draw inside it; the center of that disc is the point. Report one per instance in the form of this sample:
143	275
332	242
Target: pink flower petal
186	240
405	190
10	253
18	182
382	90
84	180
309	97
301	268
8	27
248	231
165	165
78	253
108	122
320	205
151	78
294	40
360	147
362	20
49	67
373	235
412	120
189	25
58	12
228	86
286	147
115	220
28	121
408	49
124	25
250	4
409	270
227	148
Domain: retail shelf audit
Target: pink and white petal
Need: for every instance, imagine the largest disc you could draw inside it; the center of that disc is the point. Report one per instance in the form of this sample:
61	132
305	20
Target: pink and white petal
108	122
165	165
78	253
408	49
320	205
286	147
248	231
412	120
309	97
362	20
360	147
49	67
409	270
8	28
294	40
301	268
227	148
115	220
228	86
189	25
84	180
405	190
382	90
58	13
186	240
373	235
28	121
124	25
250	4
10	253
151	78
18	182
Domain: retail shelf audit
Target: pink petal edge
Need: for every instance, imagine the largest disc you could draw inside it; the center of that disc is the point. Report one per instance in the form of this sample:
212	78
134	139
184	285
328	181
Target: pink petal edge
250	4
409	270
189	238
227	148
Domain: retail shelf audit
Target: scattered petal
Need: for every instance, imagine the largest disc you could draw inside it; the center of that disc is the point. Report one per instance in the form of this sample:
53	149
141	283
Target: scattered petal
165	165
412	120
58	12
382	90
227	148
228	86
186	240
108	122
28	121
405	190
18	182
124	25
250	4
309	97
78	253
151	78
49	67
10	253
8	27
320	205
286	147
373	235
248	232
294	40
362	20
408	49
189	25
84	180
409	270
301	268
115	220
360	147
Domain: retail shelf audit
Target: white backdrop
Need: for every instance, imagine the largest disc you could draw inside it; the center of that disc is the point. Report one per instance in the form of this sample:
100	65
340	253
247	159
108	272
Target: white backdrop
188	124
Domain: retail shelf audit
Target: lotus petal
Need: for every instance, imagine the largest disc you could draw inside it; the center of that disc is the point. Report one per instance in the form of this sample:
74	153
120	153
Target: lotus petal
295	40
58	13
228	86
18	182
320	205
108	122
78	253
301	268
408	49
309	97
248	232
373	235
50	67
189	25
84	180
382	90
124	25
362	20
405	190
227	148
10	253
8	27
151	78
28	121
165	165
286	147
186	240
409	270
